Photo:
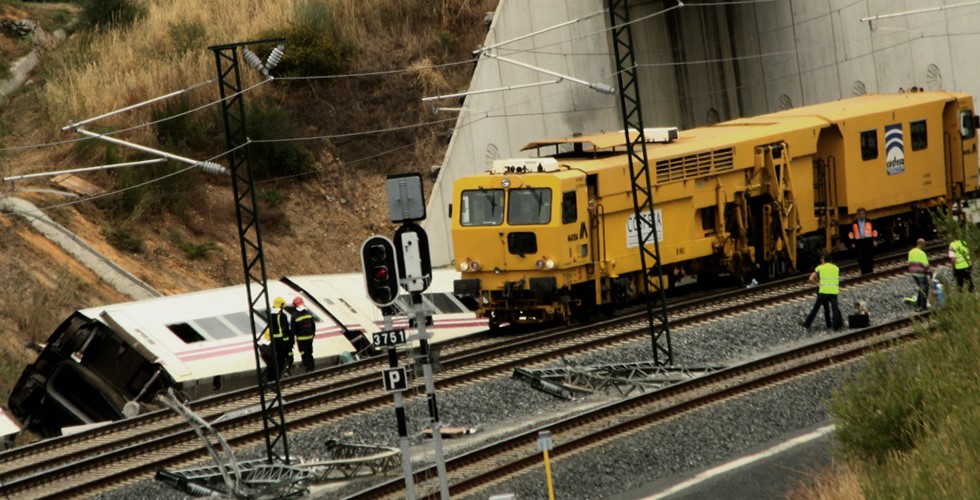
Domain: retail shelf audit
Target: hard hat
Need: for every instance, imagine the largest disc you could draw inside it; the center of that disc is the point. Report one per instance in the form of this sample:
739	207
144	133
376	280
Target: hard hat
298	301
279	302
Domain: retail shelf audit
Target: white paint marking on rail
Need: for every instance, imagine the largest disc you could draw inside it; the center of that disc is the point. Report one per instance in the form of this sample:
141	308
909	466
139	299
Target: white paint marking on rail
741	462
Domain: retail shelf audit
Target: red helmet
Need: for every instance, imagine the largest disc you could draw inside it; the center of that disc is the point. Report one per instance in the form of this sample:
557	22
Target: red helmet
298	301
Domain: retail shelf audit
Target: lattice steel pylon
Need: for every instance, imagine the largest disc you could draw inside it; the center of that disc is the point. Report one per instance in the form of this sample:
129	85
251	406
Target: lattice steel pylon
250	237
629	100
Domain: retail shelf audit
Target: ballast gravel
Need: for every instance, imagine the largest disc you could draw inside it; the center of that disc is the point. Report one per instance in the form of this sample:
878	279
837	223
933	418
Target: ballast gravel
709	436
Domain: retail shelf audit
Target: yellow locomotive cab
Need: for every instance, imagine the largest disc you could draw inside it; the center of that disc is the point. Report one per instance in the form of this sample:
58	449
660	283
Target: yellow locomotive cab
551	237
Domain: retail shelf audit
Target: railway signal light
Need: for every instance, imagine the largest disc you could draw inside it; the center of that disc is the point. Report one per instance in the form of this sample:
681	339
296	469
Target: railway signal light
380	270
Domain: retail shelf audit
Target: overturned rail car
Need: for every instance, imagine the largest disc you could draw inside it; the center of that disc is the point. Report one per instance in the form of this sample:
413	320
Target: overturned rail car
110	362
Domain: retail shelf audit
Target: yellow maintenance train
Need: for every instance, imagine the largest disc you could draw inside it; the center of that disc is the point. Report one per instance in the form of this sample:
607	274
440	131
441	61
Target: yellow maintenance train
538	239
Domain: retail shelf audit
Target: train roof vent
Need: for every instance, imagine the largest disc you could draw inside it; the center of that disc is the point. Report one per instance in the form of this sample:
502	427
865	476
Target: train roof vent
524	165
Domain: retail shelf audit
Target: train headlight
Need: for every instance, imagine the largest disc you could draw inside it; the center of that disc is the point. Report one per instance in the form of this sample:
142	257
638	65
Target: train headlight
474	265
505	182
545	263
464	266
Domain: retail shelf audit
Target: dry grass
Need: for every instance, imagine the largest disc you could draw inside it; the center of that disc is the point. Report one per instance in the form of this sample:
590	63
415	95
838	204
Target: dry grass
838	482
126	67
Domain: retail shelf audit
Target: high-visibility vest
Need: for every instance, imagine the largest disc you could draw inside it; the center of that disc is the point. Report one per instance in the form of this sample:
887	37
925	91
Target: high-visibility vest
869	231
958	248
918	262
280	328
829	275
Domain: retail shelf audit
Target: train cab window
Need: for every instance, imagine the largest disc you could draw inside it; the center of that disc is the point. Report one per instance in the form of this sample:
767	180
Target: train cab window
529	206
919	139
483	207
869	145
967	124
569	208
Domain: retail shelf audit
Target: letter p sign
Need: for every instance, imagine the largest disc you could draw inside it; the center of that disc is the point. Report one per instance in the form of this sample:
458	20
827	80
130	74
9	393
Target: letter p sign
394	379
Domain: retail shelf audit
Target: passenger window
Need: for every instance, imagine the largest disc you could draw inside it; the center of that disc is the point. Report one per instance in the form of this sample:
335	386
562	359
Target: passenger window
919	139
869	145
569	208
186	332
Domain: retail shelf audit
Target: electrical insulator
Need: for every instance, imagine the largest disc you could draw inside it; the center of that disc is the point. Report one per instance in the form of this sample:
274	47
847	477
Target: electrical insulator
254	60
275	57
212	167
602	88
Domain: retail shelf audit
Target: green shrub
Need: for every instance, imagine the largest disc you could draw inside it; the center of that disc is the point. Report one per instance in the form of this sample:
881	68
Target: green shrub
880	410
314	45
181	132
104	14
187	35
274	197
908	421
447	41
193	251
123	239
148	190
277	158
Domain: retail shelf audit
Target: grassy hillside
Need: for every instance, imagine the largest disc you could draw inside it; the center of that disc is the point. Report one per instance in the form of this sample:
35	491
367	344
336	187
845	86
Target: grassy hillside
343	112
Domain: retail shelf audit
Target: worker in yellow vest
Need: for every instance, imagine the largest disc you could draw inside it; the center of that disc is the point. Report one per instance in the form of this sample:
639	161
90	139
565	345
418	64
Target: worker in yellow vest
959	256
921	274
827	277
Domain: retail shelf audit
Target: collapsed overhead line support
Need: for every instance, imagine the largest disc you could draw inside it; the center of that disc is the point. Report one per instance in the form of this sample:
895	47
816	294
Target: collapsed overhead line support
629	100
250	236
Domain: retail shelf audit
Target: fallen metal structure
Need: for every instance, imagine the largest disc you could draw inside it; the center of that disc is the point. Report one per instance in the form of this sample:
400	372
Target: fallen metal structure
570	381
260	479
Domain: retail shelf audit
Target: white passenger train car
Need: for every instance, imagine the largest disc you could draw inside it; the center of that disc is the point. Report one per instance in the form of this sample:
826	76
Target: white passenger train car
109	362
451	316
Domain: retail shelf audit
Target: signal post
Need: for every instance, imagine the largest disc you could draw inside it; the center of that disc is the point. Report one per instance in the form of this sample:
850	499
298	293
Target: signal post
381	278
411	270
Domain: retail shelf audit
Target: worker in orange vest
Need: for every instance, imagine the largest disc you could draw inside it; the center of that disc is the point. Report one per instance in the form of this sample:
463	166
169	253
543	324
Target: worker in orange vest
863	238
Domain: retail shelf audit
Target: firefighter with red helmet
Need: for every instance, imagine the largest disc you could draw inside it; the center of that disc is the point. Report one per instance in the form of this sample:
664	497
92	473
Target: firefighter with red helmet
304	328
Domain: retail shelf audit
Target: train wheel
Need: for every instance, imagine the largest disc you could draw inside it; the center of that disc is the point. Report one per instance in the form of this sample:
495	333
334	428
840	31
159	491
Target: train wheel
494	324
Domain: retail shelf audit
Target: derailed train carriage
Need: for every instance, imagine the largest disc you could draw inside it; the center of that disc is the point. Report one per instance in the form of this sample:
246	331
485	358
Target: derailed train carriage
109	362
538	239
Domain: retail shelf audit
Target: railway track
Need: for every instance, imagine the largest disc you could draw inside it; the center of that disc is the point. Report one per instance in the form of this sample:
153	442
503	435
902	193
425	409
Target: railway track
133	449
468	474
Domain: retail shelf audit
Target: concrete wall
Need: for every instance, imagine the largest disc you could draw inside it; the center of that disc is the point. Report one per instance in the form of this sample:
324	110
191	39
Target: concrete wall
498	124
696	65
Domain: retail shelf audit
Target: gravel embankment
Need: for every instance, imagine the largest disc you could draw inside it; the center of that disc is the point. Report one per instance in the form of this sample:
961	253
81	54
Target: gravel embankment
707	437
